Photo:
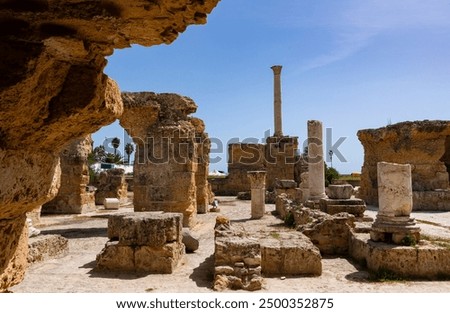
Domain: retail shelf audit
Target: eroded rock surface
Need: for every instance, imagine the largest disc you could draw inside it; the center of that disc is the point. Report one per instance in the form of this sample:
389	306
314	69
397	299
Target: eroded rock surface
52	87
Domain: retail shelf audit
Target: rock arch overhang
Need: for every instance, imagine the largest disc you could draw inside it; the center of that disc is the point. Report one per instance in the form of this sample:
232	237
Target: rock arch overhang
52	90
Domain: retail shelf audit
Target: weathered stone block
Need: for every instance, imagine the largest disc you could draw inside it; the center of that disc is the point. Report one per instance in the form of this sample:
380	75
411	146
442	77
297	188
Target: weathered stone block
232	249
330	233
160	260
425	260
285	184
111	203
344	191
353	206
152	229
291	254
46	247
115	257
190	242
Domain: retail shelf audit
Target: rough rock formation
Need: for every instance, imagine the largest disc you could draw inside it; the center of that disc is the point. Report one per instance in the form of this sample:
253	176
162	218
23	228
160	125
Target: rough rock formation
73	195
52	89
423	144
172	150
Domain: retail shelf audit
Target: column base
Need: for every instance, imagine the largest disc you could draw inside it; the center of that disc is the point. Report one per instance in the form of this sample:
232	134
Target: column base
400	230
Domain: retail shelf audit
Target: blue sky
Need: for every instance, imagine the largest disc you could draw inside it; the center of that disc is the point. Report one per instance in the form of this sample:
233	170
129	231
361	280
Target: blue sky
352	64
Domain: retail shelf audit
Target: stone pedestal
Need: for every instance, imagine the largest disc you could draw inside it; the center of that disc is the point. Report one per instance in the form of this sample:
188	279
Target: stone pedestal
147	242
258	185
393	222
316	166
340	200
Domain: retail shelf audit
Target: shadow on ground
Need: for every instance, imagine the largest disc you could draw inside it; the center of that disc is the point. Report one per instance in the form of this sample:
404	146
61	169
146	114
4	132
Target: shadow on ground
203	275
73	233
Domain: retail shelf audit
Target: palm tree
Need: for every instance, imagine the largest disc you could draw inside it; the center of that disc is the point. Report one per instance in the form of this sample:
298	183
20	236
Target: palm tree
129	149
115	143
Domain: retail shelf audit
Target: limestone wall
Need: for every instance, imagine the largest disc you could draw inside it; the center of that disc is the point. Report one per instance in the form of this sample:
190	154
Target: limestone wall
423	144
52	87
276	157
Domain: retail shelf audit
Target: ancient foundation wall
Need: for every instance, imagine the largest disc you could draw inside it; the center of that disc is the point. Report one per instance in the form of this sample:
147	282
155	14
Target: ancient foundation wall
277	157
424	145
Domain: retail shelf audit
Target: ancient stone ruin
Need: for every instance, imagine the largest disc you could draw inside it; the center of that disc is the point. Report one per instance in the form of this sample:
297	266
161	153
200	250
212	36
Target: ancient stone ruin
53	90
394	223
258	195
277	157
110	184
172	154
74	196
340	200
316	165
243	258
143	242
423	144
53	93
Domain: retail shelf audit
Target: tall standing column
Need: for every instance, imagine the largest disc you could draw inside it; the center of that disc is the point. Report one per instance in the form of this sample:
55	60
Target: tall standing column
316	166
277	100
258	185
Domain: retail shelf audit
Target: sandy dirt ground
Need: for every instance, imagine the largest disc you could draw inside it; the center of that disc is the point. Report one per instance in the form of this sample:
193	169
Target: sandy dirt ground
87	236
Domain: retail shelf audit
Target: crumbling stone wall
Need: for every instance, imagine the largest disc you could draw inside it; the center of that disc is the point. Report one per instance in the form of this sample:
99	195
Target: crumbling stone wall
277	157
52	90
73	196
424	145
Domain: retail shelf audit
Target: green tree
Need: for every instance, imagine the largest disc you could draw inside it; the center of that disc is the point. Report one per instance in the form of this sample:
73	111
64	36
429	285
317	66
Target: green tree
129	149
115	143
97	155
330	174
114	158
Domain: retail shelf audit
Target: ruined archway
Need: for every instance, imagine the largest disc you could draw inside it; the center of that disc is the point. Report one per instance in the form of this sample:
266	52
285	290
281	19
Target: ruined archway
53	90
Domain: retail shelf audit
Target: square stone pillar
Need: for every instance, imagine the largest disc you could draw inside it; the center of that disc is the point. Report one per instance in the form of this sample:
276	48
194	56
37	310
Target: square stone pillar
167	153
73	195
258	185
316	165
393	222
166	181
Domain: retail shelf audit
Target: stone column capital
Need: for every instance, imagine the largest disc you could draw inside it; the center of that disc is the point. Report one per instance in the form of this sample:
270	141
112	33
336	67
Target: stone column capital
257	179
277	69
